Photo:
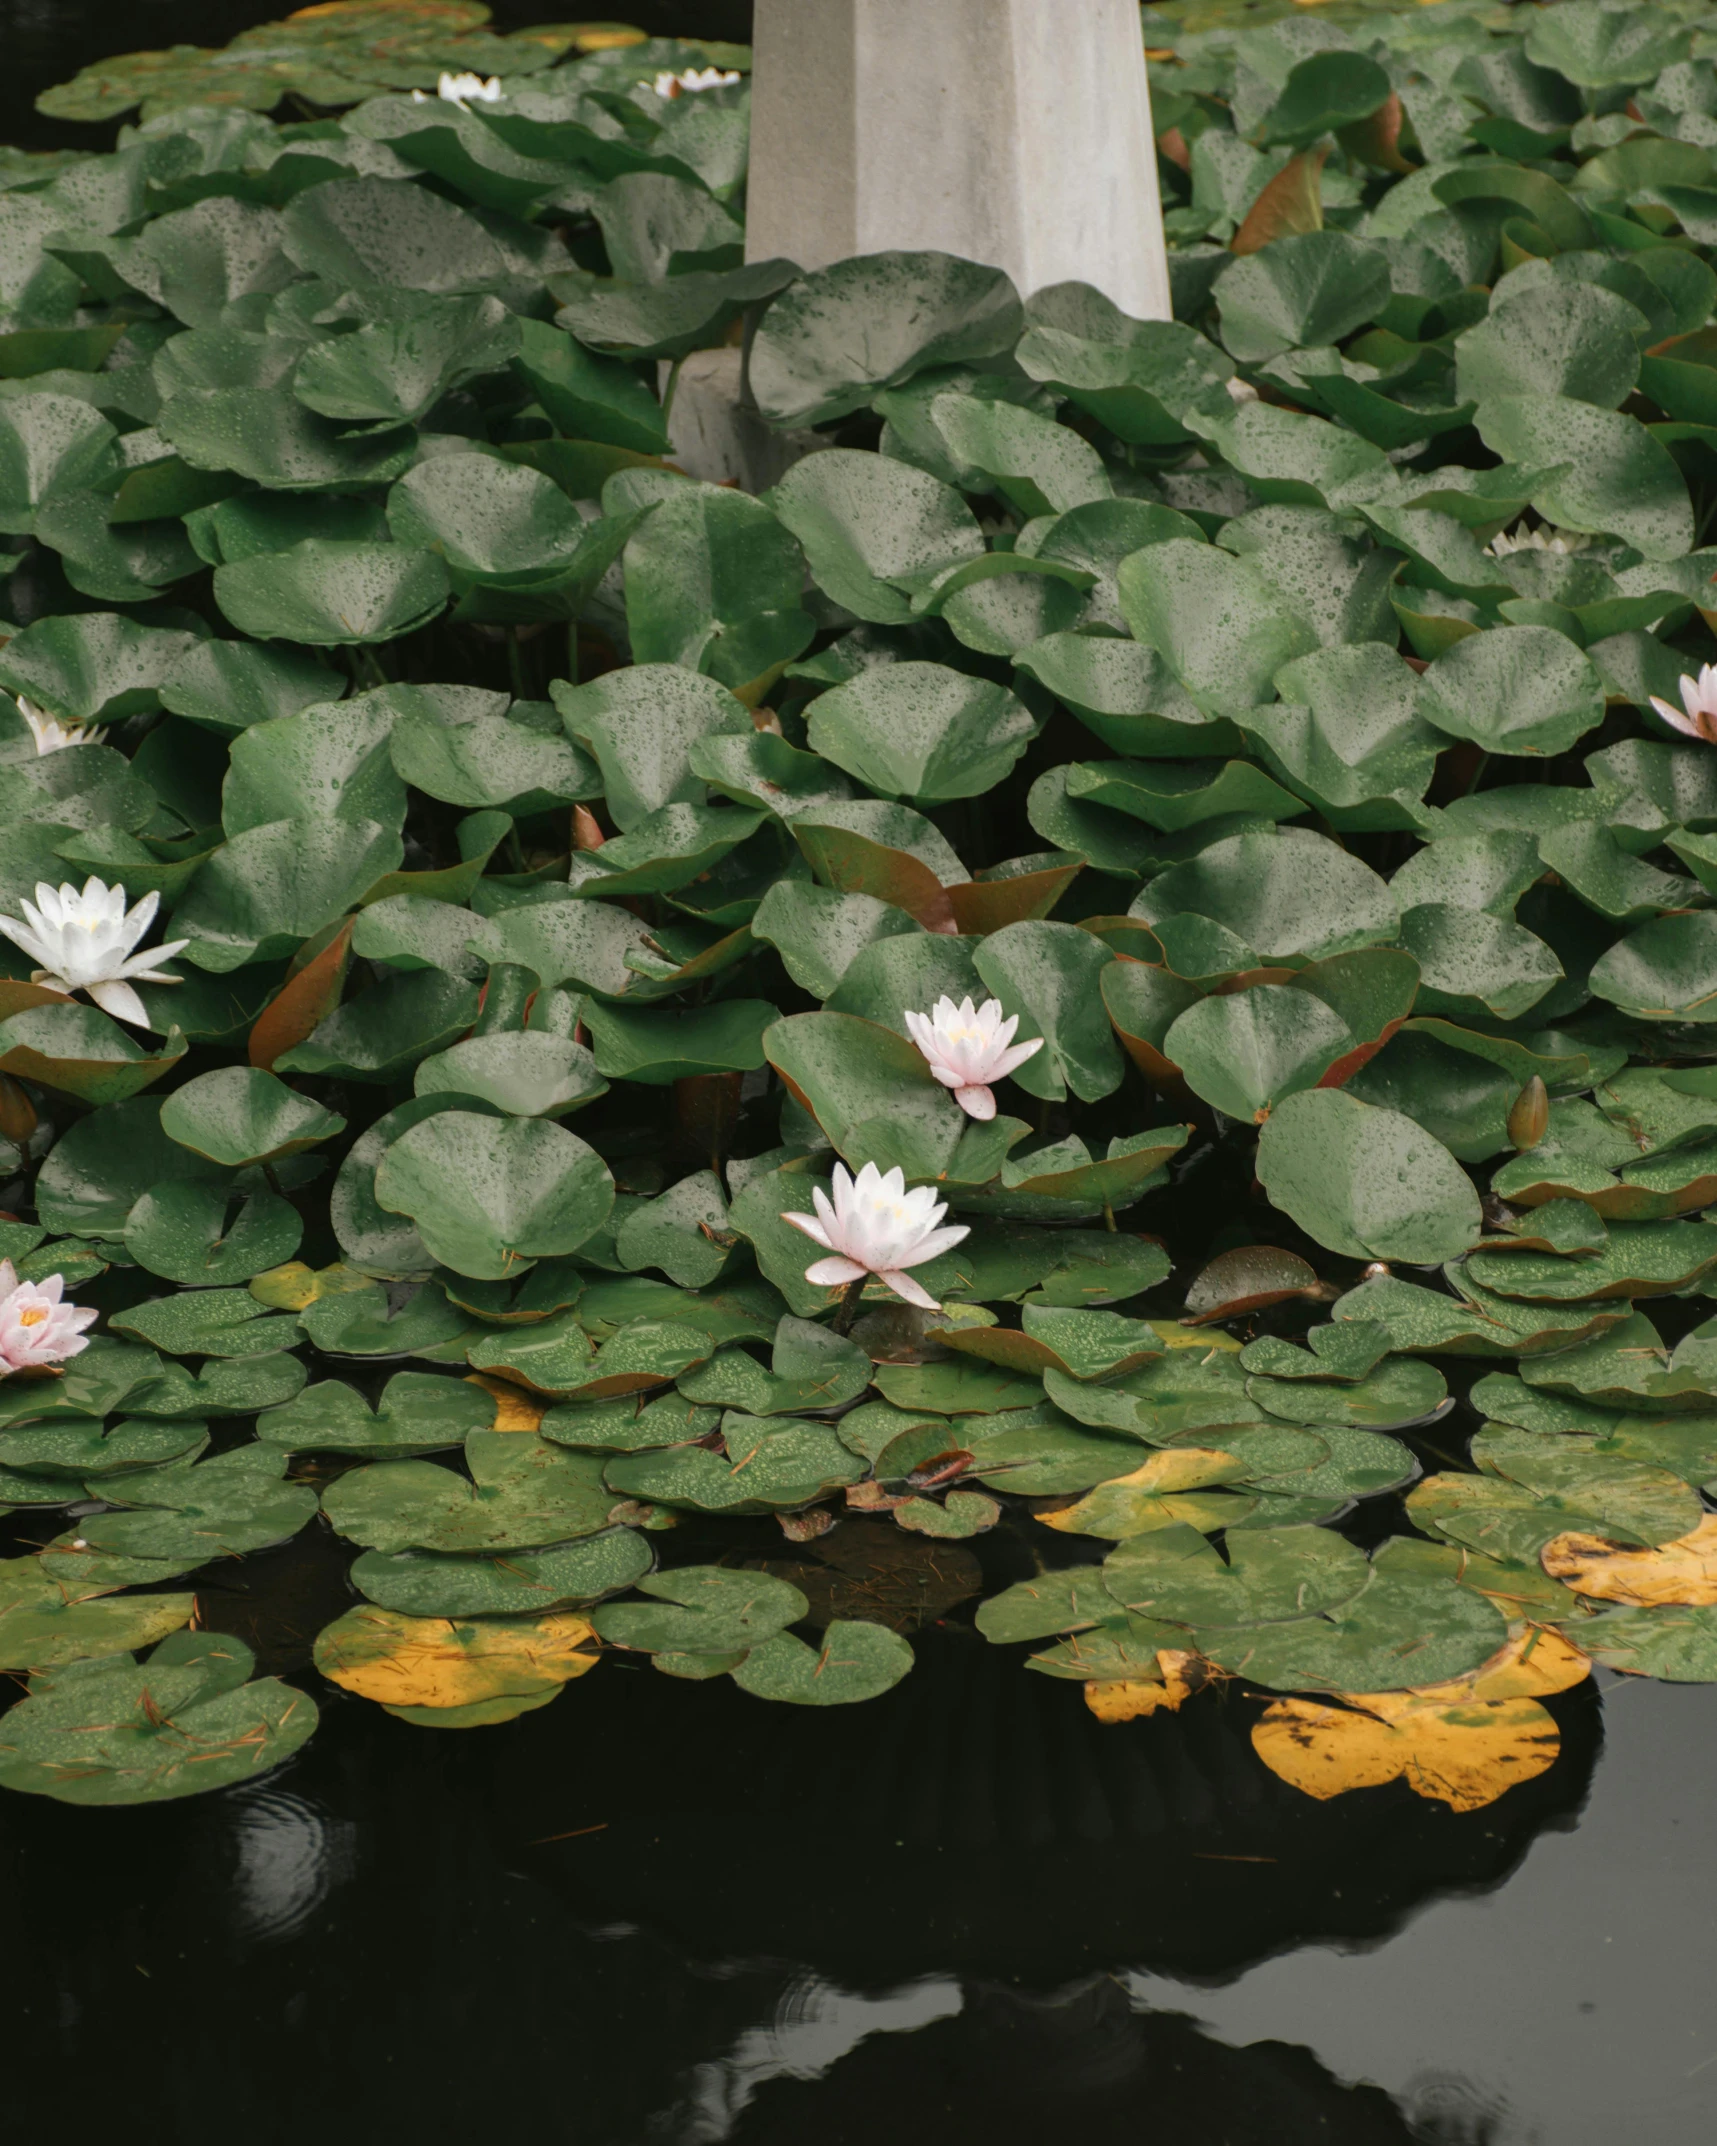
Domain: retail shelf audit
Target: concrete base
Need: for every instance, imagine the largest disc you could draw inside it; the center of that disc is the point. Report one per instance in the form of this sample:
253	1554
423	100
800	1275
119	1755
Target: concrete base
715	435
1013	132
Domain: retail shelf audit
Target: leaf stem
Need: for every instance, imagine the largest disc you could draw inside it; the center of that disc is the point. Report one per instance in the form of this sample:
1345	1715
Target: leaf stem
846	1311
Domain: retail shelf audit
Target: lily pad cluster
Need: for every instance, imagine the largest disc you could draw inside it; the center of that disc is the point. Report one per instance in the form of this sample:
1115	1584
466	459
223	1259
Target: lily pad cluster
1286	721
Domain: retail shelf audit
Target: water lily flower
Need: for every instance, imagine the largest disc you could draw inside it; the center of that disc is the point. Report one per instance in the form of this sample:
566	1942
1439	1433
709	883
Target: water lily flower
460	89
694	79
84	943
1697	715
1561	541
51	735
35	1327
875	1226
968	1048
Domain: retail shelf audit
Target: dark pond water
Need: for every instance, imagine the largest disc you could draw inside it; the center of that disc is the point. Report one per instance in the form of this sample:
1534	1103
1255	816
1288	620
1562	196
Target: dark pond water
659	1914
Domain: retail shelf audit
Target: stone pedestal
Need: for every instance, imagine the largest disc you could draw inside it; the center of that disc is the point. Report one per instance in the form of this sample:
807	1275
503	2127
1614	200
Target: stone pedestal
1013	132
713	433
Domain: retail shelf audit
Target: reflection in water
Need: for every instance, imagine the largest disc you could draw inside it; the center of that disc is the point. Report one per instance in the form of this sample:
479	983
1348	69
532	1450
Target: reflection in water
1446	2110
815	2024
1009	2068
290	1854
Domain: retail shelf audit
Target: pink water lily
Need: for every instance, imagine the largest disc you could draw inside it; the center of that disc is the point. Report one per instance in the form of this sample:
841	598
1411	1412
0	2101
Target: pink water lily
968	1047
36	1328
875	1226
1697	715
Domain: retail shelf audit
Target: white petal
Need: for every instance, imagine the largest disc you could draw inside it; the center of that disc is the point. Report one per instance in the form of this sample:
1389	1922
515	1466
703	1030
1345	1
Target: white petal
140	919
812	1228
904	1286
21	936
1016	1055
933	1246
121	1001
136	965
826	1271
977	1103
1673	716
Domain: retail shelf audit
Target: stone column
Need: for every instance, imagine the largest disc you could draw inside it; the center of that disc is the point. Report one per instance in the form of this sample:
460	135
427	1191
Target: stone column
1013	132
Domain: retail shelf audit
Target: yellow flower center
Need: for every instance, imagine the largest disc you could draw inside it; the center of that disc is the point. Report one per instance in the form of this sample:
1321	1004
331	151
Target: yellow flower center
35	1316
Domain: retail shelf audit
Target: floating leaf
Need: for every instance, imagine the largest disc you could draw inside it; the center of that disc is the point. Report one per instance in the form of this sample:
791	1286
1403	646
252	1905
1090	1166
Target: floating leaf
486	1193
1366	1182
438	1662
112	1732
425	1583
523	1493
853	1662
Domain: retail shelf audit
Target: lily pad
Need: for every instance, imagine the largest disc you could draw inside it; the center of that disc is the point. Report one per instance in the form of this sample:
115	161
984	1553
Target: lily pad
523	1494
427	1583
415	1414
853	1662
112	1732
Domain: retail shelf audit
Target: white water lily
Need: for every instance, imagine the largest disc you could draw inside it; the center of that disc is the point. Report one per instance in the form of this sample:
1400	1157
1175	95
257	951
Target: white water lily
969	1047
50	734
875	1226
461	89
84	942
1697	715
694	79
1561	541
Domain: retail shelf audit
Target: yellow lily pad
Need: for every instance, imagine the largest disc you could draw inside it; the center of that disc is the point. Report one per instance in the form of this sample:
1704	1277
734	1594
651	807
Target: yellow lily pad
1683	1571
444	1662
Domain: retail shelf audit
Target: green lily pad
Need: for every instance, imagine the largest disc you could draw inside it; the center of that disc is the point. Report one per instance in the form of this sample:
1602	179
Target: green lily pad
811	1368
95	666
641	724
1516	689
1366	1182
523	1494
854	1661
1395	1394
333	595
773	1463
213	1508
110	1732
835	337
45	1629
1397	1633
869	1089
416	1414
196	1234
268	889
241	1116
702	1609
486	1193
874	529
429	1583
208	1322
630	1424
1073	1599
657	1047
921	731
1675	1642
526	1074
